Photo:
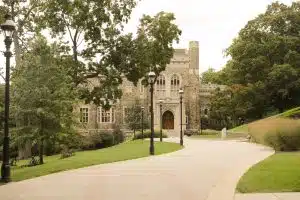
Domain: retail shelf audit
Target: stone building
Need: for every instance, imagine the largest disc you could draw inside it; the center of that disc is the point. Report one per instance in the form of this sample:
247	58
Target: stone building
182	72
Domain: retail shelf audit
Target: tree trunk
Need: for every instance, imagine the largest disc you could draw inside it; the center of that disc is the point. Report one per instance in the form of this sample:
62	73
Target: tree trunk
17	50
41	152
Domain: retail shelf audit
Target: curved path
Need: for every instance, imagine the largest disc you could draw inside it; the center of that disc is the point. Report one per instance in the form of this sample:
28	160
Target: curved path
204	170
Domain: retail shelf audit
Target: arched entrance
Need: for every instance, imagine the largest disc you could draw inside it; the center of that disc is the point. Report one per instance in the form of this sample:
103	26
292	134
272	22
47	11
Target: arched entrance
168	120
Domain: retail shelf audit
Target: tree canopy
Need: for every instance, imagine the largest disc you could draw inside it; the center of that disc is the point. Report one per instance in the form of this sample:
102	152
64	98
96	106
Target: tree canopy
264	62
96	44
43	95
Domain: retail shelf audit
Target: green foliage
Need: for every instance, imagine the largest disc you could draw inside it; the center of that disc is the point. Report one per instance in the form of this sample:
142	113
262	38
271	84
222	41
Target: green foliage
118	135
237	103
43	95
133	117
211	76
102	139
66	153
147	134
100	25
106	53
284	139
264	65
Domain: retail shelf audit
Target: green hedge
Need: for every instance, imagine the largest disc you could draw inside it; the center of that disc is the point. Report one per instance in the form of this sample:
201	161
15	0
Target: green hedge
102	139
147	134
284	139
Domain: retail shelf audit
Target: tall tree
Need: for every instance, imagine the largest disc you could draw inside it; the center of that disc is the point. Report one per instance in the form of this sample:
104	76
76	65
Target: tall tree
24	13
267	53
43	94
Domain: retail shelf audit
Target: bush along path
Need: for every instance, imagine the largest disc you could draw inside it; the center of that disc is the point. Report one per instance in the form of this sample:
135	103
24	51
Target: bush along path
124	151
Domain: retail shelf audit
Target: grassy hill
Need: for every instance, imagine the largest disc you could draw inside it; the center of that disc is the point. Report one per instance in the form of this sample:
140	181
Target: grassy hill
293	113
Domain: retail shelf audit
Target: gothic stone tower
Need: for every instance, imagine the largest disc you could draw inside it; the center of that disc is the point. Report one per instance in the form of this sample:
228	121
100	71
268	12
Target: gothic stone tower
191	88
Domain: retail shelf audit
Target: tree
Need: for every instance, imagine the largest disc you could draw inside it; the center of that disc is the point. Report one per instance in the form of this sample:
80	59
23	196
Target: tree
23	13
108	52
96	42
43	94
238	102
266	53
133	117
210	76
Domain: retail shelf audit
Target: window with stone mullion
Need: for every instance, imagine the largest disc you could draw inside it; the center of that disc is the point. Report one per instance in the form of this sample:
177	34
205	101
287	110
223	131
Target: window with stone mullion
84	115
106	116
161	86
175	85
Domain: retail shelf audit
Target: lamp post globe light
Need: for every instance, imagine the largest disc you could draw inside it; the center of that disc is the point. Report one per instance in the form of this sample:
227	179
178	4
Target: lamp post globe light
160	114
142	121
181	97
8	28
151	76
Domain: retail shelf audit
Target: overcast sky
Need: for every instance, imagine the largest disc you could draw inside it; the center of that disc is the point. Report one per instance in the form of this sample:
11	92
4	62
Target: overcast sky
214	23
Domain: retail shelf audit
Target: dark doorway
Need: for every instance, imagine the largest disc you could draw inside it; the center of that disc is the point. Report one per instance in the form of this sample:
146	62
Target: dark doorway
168	120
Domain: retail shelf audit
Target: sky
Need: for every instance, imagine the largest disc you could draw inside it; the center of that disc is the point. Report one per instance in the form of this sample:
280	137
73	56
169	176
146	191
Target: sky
214	23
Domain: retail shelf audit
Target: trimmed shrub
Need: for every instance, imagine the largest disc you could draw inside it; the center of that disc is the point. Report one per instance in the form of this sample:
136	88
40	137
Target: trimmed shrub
102	139
147	134
66	152
284	139
280	134
118	136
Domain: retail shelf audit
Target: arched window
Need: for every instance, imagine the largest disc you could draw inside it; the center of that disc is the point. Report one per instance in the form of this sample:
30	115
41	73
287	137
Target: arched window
161	86
175	85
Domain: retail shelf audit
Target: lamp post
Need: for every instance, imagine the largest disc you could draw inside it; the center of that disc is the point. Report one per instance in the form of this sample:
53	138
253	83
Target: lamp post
160	113
8	27
151	76
181	97
142	121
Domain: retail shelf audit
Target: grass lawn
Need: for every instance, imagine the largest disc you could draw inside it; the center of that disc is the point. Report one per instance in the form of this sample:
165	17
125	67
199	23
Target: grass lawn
278	173
125	151
242	128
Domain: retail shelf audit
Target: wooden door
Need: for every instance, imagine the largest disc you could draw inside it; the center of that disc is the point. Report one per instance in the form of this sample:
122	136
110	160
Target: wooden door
168	120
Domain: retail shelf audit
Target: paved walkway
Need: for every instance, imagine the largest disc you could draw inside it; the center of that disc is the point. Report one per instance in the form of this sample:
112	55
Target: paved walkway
204	170
268	196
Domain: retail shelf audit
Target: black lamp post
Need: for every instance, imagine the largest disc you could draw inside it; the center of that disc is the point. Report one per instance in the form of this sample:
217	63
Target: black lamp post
181	136
142	121
160	114
151	76
8	27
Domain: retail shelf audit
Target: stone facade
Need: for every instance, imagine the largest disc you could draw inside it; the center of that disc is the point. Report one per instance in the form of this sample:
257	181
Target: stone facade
182	72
